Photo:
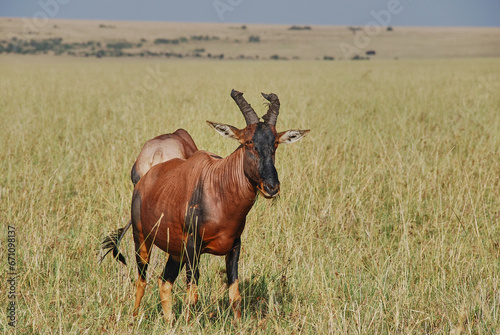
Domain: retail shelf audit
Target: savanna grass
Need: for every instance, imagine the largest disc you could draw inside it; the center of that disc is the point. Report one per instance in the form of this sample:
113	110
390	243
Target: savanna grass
388	222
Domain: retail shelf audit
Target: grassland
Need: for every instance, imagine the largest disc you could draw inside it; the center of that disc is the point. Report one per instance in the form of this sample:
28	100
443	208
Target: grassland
88	38
389	219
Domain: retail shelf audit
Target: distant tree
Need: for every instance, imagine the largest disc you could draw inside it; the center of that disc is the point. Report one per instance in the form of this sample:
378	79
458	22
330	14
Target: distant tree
358	57
254	39
119	45
162	41
389	28
277	57
354	29
100	53
299	28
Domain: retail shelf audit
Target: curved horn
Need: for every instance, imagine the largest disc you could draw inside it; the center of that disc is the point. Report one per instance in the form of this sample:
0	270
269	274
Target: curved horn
274	108
247	110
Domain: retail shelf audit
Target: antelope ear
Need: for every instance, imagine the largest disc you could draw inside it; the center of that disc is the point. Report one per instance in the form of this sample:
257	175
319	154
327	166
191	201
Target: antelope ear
226	130
292	135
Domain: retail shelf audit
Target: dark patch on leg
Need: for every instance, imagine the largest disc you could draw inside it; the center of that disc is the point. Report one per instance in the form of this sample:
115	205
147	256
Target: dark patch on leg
141	246
134	175
232	262
193	257
192	224
142	268
194	216
136	208
171	270
232	278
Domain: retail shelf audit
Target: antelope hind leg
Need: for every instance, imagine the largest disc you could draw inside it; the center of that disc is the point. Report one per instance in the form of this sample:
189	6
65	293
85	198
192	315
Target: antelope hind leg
165	283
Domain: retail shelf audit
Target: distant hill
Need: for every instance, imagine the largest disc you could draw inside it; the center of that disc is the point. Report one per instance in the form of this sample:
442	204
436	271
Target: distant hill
249	41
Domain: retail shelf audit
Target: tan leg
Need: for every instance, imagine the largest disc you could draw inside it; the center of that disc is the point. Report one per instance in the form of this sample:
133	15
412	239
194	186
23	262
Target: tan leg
166	299
232	279
235	299
166	282
192	294
142	253
191	298
140	287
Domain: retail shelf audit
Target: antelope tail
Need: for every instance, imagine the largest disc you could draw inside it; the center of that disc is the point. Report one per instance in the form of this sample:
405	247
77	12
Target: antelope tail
112	241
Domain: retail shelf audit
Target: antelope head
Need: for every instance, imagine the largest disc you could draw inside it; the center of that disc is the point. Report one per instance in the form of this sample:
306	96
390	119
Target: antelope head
259	140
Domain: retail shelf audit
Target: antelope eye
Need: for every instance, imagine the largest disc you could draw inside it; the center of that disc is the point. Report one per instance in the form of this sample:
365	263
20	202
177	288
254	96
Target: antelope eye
250	142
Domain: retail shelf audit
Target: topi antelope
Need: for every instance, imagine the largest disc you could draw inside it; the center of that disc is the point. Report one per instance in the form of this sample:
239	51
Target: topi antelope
188	207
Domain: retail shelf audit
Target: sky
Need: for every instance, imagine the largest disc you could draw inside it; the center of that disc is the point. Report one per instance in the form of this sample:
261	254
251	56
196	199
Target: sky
298	12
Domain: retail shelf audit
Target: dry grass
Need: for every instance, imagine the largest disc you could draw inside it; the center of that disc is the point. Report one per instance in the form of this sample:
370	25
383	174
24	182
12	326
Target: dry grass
389	220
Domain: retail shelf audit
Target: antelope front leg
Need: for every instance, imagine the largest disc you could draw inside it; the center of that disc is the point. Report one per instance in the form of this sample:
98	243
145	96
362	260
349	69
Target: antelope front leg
192	273
232	278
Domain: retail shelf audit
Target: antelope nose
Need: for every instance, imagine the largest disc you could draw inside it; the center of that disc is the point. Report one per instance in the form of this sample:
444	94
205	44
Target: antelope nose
272	190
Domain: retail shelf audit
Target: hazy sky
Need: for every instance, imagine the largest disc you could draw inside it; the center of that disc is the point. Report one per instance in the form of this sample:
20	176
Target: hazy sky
301	12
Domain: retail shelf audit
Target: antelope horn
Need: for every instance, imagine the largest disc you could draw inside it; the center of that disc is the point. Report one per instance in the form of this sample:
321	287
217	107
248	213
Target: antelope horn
247	110
274	108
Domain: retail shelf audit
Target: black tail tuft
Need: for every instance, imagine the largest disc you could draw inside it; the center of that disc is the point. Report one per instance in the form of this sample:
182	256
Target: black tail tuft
112	241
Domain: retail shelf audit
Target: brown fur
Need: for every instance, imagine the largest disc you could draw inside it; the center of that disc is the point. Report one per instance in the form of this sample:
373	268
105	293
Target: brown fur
166	190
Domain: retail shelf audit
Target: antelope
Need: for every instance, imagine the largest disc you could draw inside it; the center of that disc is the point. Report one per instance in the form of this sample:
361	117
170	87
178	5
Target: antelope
188	207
